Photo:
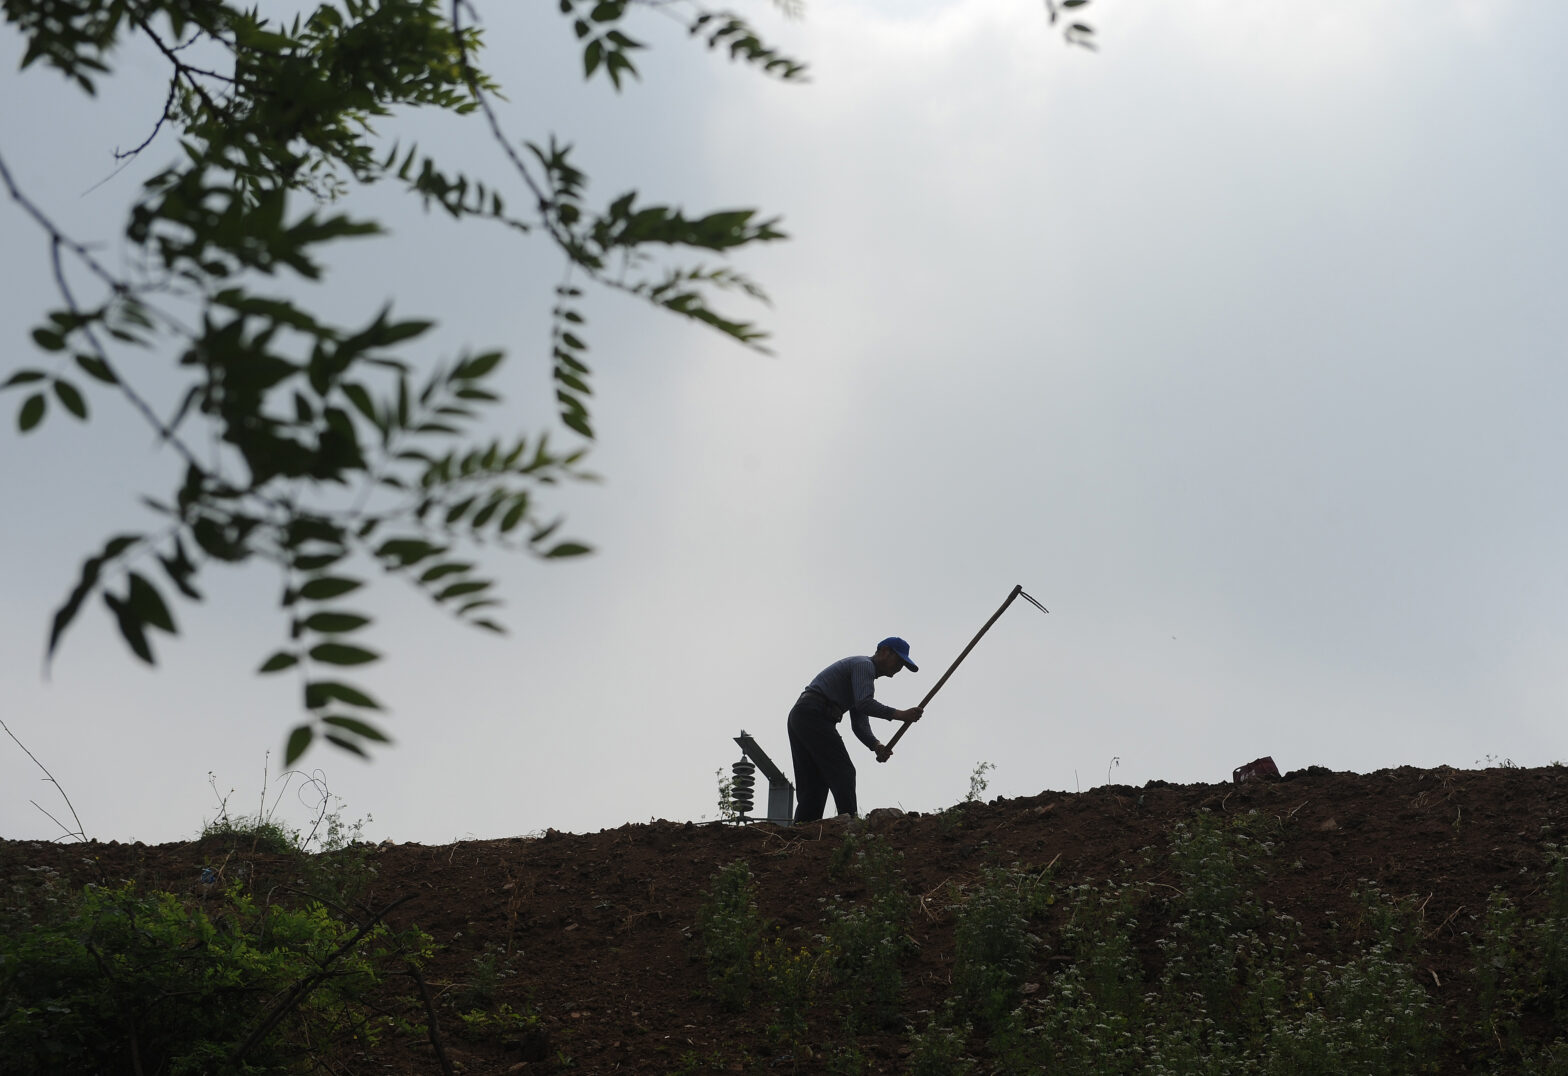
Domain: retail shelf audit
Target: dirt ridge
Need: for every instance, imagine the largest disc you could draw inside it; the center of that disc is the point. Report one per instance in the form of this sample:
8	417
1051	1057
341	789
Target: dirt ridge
596	929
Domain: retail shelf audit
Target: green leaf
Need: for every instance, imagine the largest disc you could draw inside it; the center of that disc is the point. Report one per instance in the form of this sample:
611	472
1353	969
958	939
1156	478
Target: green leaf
148	604
457	590
407	551
299	740
482	516
130	627
441	571
578	424
342	654
345	743
478	366
403	330
48	339
24	377
514	515
314	562
569	549
360	398
97	369
278	662
328	586
91	568
319	692
180	572
335	622
32	412
357	727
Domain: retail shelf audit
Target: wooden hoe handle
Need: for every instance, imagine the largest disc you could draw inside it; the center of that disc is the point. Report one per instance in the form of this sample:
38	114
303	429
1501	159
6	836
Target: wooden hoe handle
938	686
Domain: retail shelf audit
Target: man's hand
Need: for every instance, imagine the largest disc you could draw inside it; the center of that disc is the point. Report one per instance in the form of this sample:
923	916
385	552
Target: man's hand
884	752
910	715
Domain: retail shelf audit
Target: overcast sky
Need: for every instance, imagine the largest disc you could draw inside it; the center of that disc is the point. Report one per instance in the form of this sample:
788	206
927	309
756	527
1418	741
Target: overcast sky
1238	343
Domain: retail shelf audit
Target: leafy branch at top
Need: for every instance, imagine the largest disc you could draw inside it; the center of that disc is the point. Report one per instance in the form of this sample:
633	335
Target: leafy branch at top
308	439
306	442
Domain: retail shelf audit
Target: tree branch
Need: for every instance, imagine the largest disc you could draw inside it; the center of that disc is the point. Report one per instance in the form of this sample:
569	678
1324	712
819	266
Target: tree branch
168	106
471	77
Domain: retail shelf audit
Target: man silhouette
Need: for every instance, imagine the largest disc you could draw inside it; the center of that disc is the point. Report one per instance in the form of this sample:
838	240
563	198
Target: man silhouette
822	763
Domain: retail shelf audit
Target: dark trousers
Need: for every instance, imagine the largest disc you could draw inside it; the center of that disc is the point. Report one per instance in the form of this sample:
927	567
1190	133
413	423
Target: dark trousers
821	762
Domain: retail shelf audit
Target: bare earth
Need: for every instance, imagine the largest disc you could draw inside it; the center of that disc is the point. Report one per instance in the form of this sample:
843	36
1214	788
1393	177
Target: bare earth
599	927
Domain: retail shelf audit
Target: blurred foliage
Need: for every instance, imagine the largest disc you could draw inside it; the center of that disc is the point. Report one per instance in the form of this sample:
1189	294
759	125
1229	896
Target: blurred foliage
323	443
331	448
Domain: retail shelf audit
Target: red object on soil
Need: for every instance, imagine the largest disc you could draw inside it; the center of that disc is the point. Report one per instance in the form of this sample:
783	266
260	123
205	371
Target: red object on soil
1256	769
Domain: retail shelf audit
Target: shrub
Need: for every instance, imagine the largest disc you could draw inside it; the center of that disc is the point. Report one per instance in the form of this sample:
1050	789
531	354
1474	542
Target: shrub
145	982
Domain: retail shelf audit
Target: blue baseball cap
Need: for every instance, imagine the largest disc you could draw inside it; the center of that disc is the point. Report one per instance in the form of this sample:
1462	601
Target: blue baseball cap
901	648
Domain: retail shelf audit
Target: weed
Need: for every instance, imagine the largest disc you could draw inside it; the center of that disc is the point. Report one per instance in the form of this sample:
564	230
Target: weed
940	1050
847	1059
1549	1060
1552	934
993	946
341	877
728	812
501	1020
1214	947
260	832
691	1063
867	940
255	836
952	817
1521	969
731	934
978	783
792	978
1368	1015
1099	935
488	972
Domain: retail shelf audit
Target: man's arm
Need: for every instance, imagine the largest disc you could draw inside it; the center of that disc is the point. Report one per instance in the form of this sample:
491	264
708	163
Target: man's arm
862	727
909	716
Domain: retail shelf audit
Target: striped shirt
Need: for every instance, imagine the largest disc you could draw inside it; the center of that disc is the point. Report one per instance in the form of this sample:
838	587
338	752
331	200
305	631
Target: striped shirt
849	684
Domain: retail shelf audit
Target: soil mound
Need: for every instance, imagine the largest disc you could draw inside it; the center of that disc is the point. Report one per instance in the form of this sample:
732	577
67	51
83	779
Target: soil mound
595	933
